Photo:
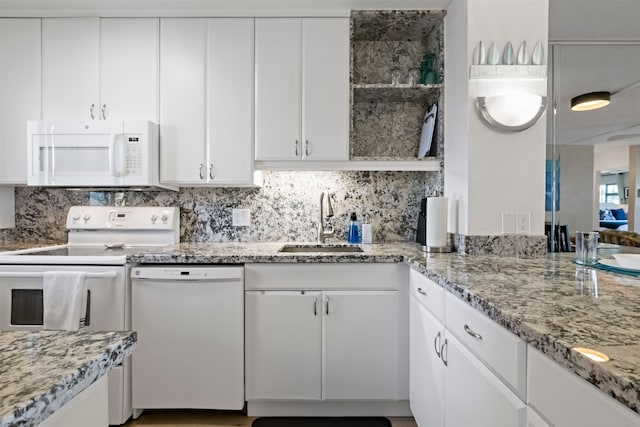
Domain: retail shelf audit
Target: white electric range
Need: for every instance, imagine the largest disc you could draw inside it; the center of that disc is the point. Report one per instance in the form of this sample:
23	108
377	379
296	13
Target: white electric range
99	240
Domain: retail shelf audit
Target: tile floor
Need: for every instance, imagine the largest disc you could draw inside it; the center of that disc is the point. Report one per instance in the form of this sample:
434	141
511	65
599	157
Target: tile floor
197	418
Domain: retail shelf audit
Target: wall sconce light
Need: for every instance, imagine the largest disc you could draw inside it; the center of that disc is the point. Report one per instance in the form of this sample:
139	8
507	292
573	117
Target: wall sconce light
594	100
511	112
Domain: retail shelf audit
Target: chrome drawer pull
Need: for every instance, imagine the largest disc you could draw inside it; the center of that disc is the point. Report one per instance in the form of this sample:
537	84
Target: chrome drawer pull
471	332
421	291
436	344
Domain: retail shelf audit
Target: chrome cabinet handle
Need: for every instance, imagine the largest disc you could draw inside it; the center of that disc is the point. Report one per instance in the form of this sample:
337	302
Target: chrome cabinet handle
93	106
436	344
201	174
471	332
296	145
422	292
104	111
211	174
326	302
315	306
443	355
306	147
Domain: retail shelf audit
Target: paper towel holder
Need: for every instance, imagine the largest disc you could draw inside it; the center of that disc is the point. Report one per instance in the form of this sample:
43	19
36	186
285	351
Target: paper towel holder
439	249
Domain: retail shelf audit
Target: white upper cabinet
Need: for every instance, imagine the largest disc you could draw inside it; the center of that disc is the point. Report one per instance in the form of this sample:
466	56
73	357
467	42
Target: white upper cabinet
206	101
325	93
19	94
129	68
302	89
182	100
97	69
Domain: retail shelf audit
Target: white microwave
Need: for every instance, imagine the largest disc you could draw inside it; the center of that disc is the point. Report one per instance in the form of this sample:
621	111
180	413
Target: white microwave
93	154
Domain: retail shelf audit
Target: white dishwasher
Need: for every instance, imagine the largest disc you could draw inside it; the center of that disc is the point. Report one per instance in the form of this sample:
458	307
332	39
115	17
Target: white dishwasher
190	325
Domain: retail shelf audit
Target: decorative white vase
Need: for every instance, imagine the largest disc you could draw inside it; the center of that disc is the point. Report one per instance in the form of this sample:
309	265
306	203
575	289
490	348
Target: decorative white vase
537	56
493	56
508	56
479	56
523	55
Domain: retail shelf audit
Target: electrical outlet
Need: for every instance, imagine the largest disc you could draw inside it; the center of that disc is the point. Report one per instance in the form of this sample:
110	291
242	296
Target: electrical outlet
508	223
523	223
241	217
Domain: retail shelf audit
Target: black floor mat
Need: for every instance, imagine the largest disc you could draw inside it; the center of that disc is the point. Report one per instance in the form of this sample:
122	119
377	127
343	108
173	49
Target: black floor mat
321	422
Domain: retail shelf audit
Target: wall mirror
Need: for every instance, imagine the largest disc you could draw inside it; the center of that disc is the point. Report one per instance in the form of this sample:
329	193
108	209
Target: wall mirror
593	159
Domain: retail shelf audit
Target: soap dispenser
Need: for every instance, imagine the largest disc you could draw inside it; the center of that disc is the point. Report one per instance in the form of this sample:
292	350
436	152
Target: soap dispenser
354	232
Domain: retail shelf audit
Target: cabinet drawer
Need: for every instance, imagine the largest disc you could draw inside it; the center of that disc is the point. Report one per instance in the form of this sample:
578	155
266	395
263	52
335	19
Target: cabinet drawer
428	293
499	349
567	400
332	276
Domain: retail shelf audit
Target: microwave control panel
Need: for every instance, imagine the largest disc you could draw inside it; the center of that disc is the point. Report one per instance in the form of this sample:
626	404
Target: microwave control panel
133	158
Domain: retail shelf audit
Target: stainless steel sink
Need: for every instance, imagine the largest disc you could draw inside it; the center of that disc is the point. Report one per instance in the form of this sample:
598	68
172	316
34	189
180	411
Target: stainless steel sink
320	248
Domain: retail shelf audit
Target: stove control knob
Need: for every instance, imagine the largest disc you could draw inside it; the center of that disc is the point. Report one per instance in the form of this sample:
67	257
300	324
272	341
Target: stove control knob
154	218
86	218
164	218
76	218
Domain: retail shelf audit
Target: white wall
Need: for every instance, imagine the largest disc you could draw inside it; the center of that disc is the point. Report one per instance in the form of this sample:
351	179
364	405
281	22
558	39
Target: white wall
504	171
612	158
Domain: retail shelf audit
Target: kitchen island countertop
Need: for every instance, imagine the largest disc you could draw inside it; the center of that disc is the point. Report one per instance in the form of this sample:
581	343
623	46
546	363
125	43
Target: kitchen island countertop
547	301
41	371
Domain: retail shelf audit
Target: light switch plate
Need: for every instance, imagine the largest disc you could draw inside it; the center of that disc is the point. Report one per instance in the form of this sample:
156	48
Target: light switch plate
523	223
508	223
241	217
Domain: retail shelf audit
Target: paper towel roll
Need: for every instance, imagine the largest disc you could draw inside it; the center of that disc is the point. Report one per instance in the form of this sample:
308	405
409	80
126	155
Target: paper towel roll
437	221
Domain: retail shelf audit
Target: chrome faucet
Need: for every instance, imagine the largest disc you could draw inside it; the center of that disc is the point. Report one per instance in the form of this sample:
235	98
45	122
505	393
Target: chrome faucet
322	234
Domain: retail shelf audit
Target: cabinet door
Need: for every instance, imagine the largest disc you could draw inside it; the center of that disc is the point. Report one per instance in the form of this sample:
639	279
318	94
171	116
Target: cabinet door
183	100
129	69
20	89
474	396
278	80
70	49
534	420
230	100
426	370
360	345
282	332
325	94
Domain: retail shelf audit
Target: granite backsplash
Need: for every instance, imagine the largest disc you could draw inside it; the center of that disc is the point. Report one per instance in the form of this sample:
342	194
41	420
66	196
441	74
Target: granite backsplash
285	208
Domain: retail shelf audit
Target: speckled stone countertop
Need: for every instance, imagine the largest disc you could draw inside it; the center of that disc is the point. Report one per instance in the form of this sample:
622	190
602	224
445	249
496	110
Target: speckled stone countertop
41	371
547	301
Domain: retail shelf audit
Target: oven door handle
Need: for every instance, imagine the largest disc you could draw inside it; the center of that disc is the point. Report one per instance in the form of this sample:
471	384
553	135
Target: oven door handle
36	275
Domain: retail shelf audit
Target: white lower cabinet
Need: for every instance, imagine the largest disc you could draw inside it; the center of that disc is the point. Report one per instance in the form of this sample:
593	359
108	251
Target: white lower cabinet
474	396
89	408
566	400
360	345
322	345
426	382
449	384
323	333
534	420
283	345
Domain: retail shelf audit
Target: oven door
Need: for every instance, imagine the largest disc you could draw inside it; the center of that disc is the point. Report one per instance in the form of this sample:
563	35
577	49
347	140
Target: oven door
21	304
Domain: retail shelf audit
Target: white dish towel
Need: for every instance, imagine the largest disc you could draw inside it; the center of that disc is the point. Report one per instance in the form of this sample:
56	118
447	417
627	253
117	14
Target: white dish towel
64	295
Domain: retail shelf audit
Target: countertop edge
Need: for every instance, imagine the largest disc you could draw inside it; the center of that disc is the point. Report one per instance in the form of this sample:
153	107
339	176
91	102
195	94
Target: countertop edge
37	409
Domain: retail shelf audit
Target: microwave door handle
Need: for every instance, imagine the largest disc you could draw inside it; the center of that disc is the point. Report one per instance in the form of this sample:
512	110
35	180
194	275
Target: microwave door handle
112	154
120	151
